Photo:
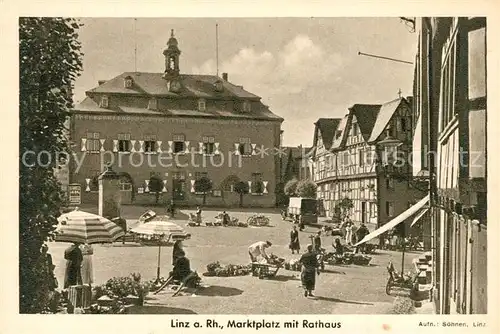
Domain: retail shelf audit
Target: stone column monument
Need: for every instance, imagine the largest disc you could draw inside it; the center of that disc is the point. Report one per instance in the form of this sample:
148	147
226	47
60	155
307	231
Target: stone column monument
109	193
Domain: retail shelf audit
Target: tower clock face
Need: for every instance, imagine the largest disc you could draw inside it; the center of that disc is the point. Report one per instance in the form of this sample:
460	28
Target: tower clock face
175	86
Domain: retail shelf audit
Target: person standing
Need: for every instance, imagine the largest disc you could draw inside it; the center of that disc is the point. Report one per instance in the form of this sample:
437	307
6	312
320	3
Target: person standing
294	240
73	256
310	267
87	268
362	232
348	233
317	242
198	216
176	251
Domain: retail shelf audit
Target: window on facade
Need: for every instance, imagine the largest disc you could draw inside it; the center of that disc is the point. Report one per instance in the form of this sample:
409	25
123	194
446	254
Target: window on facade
257	183
389	209
200	175
153	104
405	124
124	142
125	185
178	143
104	101
354	130
448	69
245	146
373	210
361	158
247	106
150	143
93	143
208	145
202	105
389	182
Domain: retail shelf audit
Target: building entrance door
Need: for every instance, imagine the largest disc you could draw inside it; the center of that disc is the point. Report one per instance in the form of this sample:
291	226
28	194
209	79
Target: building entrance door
178	186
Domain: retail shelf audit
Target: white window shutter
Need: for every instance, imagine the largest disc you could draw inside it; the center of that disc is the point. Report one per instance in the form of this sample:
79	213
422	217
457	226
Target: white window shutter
141	145
164	186
158	143
115	145
146	189
102	144
132	144
84	144
249	187
186	144
87	185
200	147
264	183
216	151
237	148
192	185
170	146
254	152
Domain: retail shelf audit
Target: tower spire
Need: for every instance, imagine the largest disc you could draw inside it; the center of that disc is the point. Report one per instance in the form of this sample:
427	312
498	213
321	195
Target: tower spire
172	54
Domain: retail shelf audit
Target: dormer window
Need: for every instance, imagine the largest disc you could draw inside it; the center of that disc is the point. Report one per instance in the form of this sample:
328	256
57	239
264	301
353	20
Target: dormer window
247	106
219	86
128	82
202	105
104	101
153	104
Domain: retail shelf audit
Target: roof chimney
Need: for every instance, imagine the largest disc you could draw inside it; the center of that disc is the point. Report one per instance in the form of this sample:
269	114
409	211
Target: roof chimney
224	76
100	82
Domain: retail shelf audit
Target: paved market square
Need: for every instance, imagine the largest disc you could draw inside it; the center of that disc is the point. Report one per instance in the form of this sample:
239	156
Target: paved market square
339	290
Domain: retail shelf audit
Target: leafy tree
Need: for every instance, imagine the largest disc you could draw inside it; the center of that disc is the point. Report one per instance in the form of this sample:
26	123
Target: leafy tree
306	188
49	61
241	188
344	207
291	187
203	185
156	187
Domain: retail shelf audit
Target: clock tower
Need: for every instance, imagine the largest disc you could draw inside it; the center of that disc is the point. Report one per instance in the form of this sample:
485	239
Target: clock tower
172	54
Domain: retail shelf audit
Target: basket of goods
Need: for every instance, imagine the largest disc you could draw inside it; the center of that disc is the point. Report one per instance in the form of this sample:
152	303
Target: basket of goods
216	269
242	224
275	260
293	265
361	260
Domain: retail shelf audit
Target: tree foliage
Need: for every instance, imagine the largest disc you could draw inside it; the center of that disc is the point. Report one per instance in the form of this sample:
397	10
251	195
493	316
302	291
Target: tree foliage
306	188
291	187
203	185
155	187
49	61
241	188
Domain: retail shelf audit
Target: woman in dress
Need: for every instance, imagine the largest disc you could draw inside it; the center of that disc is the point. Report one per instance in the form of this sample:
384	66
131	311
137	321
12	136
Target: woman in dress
87	269
294	240
74	258
310	267
348	233
176	251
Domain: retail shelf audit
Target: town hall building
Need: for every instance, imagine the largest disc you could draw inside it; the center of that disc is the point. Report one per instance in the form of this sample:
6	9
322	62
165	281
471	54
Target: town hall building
178	128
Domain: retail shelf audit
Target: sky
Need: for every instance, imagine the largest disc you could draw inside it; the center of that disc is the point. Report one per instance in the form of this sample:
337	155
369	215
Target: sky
303	68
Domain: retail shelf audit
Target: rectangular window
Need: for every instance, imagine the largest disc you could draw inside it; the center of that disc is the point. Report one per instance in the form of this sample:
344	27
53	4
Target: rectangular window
354	130
389	182
247	106
124	142
208	145
245	146
389	208
93	143
373	210
202	105
125	185
361	158
200	175
150	143
179	144
104	102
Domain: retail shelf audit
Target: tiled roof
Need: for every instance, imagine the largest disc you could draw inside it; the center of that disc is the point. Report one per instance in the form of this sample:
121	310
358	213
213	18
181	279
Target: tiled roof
384	116
366	115
194	85
326	127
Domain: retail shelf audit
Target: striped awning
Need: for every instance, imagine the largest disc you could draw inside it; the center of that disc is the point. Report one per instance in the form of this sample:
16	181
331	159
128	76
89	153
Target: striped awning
399	219
160	227
84	227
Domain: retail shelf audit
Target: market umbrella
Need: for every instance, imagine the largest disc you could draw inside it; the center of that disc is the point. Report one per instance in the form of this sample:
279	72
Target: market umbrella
160	228
84	227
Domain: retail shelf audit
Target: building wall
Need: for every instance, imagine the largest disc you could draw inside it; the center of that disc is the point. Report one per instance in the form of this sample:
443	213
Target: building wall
226	133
